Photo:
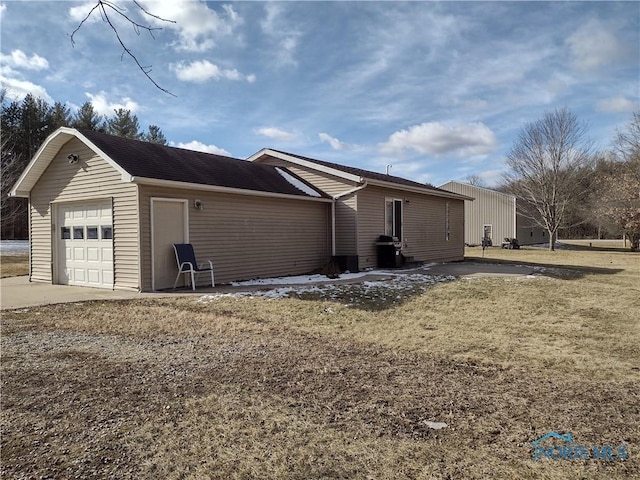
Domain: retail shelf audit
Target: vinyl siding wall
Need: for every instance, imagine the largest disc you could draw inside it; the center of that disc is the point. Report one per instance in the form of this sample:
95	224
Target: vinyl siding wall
246	236
489	208
346	221
423	227
91	178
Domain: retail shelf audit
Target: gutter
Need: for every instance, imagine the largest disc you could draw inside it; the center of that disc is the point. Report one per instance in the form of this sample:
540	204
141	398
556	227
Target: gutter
216	188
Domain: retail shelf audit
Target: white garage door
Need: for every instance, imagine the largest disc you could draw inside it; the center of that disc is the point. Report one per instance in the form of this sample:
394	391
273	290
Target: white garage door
85	244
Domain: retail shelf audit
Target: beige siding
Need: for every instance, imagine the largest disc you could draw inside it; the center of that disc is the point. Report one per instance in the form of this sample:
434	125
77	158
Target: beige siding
423	227
489	208
246	236
91	178
327	183
346	226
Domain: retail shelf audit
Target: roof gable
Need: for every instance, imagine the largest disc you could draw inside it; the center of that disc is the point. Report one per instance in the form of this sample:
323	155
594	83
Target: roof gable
358	174
140	162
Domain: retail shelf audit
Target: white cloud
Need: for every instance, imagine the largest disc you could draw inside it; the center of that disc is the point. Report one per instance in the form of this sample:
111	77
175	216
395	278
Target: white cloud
201	147
334	142
593	46
105	107
618	103
200	71
276	133
197	25
18	89
435	138
79	13
19	59
283	37
3	8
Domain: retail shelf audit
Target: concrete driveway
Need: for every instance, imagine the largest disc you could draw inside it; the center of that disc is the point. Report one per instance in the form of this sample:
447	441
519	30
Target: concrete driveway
18	292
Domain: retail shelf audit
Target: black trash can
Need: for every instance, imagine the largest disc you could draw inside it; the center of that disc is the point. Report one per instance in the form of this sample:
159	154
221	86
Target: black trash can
388	249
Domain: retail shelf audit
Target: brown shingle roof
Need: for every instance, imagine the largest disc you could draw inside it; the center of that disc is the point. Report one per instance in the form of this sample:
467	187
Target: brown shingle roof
149	160
367	174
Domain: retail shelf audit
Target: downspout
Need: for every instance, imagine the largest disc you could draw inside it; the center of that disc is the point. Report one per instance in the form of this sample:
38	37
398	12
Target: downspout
333	213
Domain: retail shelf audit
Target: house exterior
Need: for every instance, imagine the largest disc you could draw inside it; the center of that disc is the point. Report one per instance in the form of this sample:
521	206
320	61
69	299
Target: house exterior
104	211
494	215
428	221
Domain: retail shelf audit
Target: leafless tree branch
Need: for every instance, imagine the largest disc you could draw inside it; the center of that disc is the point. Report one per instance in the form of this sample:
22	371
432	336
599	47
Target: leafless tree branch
102	6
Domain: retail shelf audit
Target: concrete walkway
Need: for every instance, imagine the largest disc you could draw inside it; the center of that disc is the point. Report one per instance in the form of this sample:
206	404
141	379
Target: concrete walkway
18	292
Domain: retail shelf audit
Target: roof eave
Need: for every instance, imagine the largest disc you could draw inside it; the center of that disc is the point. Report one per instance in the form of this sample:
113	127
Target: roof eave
305	163
425	190
216	188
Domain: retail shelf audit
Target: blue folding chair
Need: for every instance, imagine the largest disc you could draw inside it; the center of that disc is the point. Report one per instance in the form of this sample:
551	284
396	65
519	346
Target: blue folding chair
186	258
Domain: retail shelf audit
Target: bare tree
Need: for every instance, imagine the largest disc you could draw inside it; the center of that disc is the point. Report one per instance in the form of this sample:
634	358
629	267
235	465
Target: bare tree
106	7
617	185
13	210
627	141
475	180
547	168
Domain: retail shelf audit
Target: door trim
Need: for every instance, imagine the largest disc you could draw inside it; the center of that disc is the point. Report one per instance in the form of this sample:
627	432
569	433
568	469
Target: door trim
185	209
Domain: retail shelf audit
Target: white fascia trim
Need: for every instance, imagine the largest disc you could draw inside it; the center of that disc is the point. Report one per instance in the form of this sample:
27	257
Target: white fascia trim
349	192
306	163
18	191
216	188
427	191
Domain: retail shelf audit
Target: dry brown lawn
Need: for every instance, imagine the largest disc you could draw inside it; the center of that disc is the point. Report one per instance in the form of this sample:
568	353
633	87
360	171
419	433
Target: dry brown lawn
306	389
14	265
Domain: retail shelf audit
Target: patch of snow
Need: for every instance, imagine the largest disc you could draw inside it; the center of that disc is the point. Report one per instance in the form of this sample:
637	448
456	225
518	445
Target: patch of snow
435	425
300	185
297	279
14	247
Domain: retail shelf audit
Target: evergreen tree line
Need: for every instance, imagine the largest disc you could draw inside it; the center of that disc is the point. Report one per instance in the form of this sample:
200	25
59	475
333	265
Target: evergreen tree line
24	127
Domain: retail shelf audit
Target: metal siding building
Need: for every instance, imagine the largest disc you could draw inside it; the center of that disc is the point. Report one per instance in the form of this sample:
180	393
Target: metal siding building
491	210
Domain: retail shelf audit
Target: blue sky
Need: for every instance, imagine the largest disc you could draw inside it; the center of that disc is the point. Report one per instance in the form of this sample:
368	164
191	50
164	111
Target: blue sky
438	90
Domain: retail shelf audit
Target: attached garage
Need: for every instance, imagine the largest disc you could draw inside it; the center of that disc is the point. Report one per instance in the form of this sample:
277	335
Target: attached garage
105	211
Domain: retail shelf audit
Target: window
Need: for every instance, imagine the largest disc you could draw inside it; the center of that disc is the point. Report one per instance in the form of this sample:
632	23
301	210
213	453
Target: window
78	233
446	222
393	218
65	233
92	233
107	232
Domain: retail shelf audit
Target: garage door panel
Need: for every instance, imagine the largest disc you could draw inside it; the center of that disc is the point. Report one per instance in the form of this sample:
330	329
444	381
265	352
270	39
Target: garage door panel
107	277
93	276
93	254
78	275
107	254
85	257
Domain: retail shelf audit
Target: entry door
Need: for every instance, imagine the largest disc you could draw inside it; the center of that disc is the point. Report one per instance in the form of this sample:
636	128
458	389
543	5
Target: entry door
85	244
168	226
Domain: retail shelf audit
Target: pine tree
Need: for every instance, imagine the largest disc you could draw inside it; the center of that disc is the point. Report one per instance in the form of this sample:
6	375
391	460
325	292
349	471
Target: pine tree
86	118
124	124
155	135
